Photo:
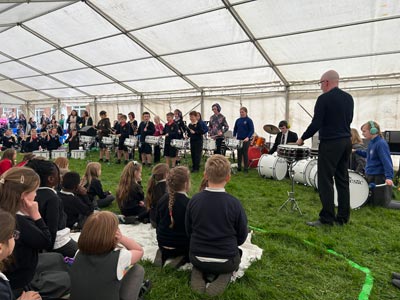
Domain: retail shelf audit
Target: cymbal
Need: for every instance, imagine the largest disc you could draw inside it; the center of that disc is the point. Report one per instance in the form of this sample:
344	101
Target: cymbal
271	129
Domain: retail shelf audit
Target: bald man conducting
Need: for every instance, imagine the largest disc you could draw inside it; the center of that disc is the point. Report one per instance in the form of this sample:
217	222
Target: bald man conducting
333	114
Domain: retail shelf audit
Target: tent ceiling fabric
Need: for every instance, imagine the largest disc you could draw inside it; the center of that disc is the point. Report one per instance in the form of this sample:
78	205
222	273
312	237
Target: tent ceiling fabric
73	49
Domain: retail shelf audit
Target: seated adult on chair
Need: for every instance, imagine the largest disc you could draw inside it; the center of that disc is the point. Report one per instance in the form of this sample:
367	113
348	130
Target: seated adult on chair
284	137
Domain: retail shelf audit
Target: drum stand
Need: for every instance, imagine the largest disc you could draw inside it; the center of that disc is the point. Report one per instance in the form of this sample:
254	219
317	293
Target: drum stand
291	200
109	148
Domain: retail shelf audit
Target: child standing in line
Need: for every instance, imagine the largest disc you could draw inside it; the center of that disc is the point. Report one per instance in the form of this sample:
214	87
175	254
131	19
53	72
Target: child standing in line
130	195
101	270
8	236
171	131
156	188
217	224
195	132
91	181
171	209
72	141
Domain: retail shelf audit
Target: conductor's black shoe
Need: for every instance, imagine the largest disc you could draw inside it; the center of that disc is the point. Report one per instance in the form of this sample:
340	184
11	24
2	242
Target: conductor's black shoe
118	161
318	223
395	275
396	283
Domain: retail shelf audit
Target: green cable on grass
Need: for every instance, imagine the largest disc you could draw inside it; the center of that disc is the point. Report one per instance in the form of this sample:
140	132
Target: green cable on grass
369	280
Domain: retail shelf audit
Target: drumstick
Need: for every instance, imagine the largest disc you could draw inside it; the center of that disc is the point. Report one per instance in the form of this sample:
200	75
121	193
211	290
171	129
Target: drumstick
373	185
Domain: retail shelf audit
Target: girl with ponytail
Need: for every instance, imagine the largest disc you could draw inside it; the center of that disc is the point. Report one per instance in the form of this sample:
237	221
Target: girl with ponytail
156	188
170	218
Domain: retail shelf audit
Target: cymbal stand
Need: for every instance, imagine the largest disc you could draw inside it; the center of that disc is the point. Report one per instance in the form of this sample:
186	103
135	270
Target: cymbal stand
291	200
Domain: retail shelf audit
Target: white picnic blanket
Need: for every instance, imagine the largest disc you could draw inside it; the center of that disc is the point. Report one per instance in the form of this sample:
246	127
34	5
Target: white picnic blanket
145	235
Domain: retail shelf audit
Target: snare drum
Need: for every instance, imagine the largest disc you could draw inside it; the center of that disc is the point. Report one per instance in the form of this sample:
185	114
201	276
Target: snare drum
180	144
209	144
152	140
42	153
78	154
131	142
116	139
162	142
233	143
86	139
359	190
314	152
58	153
302	170
293	152
107	140
260	141
270	166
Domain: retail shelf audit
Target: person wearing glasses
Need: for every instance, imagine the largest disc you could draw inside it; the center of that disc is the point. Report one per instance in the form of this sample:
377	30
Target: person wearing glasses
333	114
284	137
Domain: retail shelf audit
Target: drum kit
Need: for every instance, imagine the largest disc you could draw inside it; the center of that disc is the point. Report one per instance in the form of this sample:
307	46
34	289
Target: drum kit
259	147
304	169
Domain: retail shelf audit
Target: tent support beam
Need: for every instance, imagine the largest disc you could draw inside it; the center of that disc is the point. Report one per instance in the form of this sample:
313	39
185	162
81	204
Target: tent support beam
78	59
142	45
250	35
287	104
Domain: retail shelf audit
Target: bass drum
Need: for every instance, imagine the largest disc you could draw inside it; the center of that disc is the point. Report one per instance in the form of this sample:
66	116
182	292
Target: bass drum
302	170
254	154
270	166
313	177
359	190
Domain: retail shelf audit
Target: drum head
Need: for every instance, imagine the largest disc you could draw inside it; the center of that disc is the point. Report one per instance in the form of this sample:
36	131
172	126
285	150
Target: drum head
359	190
272	167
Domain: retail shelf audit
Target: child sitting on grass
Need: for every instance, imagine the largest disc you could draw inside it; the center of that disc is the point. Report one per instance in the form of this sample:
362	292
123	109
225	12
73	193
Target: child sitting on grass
101	269
130	195
91	181
156	188
77	205
8	236
171	209
217	224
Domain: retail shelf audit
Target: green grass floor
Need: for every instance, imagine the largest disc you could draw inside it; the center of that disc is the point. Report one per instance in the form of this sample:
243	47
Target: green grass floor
290	268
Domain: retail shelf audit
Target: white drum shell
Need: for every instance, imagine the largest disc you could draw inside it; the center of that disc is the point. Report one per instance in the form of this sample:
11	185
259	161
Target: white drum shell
42	153
106	140
86	139
270	166
58	153
180	144
233	143
78	154
152	140
302	170
209	144
131	142
359	190
313	177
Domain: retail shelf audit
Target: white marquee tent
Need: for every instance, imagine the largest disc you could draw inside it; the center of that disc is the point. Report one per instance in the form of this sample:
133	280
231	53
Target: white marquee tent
158	55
